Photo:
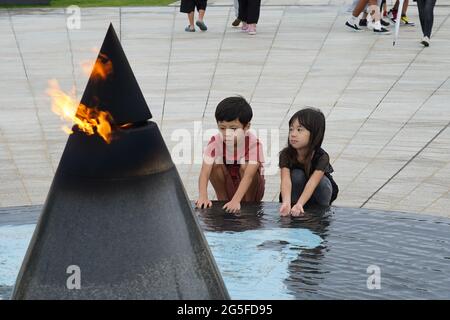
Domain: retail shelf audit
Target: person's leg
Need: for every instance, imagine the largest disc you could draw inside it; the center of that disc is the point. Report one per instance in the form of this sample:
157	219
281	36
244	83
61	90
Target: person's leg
236	21
219	181
405	7
191	19
421	9
188	7
359	8
252	193
254	8
353	21
201	15
429	17
322	194
201	8
243	13
298	180
374	20
373	10
395	7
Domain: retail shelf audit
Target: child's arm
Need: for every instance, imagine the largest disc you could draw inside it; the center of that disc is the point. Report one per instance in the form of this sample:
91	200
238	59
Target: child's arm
286	188
311	185
203	179
249	173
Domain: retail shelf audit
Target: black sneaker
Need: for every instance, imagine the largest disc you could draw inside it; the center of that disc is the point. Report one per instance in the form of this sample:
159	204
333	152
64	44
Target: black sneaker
353	26
382	31
384	23
236	22
363	23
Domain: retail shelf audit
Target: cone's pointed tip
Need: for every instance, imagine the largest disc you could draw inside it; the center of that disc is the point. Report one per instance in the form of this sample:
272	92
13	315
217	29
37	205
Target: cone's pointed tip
111	31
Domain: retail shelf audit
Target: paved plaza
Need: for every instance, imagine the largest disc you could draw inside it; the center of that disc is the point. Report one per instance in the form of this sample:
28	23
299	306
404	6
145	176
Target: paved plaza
387	108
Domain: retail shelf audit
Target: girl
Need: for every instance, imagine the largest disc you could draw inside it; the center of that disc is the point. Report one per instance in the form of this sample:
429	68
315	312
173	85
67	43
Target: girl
305	166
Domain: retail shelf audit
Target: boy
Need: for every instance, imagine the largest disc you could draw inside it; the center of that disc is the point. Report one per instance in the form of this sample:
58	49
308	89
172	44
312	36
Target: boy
188	6
233	160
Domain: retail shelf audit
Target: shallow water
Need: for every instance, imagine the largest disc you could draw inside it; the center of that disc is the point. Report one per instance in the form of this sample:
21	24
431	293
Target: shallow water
323	255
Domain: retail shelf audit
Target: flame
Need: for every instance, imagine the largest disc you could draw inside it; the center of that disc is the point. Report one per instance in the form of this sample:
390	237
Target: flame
89	120
98	70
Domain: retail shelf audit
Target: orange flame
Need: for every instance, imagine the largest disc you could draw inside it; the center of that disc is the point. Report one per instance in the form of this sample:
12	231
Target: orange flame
100	70
88	120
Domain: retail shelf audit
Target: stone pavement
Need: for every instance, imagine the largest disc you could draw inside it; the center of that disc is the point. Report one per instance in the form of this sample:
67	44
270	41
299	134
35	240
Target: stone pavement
387	107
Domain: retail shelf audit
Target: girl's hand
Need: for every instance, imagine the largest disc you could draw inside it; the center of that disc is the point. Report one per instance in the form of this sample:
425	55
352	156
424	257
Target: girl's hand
203	202
297	210
232	207
285	209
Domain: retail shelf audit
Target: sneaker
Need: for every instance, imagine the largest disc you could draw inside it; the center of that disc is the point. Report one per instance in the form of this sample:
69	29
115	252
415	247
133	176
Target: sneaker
381	30
236	22
252	30
244	27
363	23
201	25
405	21
425	41
392	14
353	26
189	29
384	23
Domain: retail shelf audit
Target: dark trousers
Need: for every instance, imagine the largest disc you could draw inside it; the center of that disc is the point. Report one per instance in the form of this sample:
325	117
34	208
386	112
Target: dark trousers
249	10
426	16
322	194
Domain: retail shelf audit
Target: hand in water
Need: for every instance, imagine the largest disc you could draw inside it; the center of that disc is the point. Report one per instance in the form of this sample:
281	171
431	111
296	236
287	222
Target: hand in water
297	210
285	209
232	207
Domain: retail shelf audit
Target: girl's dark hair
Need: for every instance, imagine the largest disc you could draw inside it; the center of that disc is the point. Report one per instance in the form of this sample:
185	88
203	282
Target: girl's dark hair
233	108
314	121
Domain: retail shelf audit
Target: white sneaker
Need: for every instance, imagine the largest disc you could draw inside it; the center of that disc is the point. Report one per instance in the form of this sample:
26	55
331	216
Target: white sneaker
425	41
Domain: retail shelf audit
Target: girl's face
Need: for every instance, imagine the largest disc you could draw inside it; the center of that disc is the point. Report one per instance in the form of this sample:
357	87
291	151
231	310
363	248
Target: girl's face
298	135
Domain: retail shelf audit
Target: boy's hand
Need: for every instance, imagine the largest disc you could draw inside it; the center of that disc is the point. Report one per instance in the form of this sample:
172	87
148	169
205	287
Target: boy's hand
203	202
297	210
285	209
232	206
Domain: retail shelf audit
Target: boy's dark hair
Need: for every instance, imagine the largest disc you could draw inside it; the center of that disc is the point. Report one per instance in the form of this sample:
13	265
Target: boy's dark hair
233	108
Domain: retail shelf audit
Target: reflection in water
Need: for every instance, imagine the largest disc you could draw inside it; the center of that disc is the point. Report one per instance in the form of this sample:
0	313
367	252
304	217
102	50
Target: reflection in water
258	252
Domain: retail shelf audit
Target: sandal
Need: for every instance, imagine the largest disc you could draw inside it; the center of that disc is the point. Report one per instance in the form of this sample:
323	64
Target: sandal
201	25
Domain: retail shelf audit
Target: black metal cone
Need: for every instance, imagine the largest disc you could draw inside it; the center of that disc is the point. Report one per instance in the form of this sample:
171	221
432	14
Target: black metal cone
118	93
120	213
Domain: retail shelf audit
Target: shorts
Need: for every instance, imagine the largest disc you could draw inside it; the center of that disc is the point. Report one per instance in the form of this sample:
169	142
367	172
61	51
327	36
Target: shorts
233	179
187	6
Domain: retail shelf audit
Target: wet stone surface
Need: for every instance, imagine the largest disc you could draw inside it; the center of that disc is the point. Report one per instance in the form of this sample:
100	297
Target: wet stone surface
324	255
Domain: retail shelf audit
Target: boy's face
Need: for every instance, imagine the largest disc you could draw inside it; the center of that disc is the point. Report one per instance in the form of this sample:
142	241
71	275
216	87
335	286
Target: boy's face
232	130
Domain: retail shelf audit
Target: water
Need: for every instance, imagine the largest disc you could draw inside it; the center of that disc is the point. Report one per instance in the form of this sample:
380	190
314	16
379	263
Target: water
14	241
323	255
